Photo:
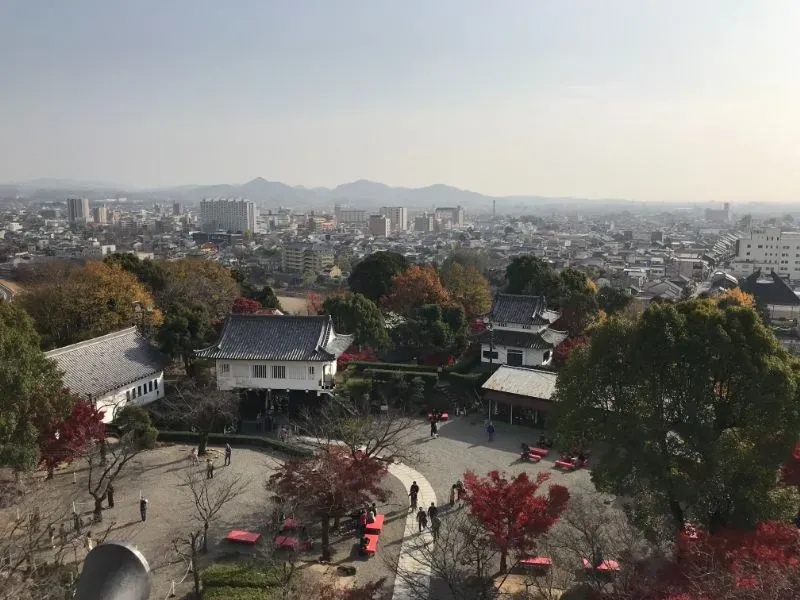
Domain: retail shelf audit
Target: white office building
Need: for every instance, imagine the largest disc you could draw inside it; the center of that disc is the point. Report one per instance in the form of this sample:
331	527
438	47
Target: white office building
78	210
398	217
228	214
768	250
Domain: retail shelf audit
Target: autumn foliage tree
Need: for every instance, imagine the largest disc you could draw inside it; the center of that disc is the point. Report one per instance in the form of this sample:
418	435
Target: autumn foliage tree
468	287
330	485
511	512
63	440
413	288
563	350
245	306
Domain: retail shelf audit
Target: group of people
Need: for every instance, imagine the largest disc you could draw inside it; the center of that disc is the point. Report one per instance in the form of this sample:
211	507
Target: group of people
431	515
366	517
457	492
435	417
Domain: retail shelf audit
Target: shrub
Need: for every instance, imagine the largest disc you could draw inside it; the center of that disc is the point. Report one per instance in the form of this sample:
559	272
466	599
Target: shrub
190	437
136	419
360	365
387	374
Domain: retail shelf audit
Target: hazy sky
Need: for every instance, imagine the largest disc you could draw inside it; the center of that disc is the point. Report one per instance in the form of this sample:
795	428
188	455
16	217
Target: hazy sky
649	100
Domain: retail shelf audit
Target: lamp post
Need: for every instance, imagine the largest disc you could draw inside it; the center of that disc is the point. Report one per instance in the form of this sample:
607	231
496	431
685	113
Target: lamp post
141	311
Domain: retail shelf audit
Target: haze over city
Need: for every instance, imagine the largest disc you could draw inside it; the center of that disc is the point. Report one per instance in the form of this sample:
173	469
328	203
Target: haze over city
679	101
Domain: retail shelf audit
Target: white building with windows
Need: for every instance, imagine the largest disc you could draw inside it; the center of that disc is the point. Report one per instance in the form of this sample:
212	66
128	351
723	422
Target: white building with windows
277	353
113	370
518	332
228	214
768	250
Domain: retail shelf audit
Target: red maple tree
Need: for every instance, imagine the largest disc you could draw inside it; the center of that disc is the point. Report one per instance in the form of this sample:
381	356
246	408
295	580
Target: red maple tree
330	485
62	440
413	288
511	512
563	350
314	303
245	306
365	355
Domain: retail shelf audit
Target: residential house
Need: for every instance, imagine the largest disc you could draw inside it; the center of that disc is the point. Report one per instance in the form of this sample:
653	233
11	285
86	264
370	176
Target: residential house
518	332
113	370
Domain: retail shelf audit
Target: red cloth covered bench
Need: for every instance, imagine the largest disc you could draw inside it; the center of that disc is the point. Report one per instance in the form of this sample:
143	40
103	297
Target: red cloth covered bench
376	526
537	562
608	566
289	525
372	544
290	542
442	417
540	451
243	537
534	457
565	465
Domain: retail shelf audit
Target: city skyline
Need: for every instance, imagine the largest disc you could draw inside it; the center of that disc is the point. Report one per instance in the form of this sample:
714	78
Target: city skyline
681	102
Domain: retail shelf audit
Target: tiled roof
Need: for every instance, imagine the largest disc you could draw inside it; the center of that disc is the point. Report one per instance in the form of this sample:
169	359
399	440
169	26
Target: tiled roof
548	338
522	381
775	291
525	310
107	363
278	337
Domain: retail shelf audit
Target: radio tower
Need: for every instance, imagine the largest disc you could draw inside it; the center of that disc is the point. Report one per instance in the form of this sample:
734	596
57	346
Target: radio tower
494	210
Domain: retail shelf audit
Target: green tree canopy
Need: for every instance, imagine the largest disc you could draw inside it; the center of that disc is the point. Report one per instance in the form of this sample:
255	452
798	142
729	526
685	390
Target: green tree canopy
149	272
357	315
529	274
696	406
184	331
434	329
467	286
613	300
200	283
373	276
31	391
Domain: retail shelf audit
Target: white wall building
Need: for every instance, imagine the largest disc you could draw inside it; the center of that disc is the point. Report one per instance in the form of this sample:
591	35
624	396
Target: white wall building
398	217
113	370
768	250
228	214
519	332
277	352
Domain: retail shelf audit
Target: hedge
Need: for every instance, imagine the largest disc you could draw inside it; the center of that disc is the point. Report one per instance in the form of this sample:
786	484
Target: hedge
241	593
238	575
394	366
191	437
467	378
412	374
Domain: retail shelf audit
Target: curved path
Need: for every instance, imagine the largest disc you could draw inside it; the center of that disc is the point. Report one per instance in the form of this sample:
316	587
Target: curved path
408	561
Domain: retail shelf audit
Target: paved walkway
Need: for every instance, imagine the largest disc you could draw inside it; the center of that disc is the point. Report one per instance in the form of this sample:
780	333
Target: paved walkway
409	561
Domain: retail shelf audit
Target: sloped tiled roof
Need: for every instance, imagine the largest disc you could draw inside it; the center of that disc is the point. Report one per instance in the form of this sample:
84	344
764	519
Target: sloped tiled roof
518	308
774	291
548	338
108	362
522	381
278	337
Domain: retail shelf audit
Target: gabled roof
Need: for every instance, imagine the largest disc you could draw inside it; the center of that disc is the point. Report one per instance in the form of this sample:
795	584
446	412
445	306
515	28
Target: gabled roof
547	339
773	291
521	309
522	381
278	337
107	363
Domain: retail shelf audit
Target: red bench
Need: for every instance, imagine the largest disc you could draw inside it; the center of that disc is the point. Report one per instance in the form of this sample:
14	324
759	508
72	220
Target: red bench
534	457
607	566
243	537
289	525
372	544
541	563
564	464
540	451
376	526
442	417
290	542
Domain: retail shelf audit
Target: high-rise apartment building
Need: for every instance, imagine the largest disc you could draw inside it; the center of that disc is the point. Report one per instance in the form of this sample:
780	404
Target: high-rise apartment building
228	214
454	215
300	257
425	223
100	214
346	216
177	209
768	249
398	217
78	210
380	226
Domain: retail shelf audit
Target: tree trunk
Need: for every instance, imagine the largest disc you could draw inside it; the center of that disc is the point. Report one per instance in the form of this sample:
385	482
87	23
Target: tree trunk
50	471
677	514
503	561
325	539
205	537
195	569
98	509
202	446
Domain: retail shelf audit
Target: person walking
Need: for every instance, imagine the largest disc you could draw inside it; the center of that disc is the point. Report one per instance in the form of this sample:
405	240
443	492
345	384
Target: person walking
228	452
62	534
51	534
433	426
432	512
413	492
143	508
209	469
78	524
88	543
453	494
363	519
422	518
490	431
110	495
436	524
435	430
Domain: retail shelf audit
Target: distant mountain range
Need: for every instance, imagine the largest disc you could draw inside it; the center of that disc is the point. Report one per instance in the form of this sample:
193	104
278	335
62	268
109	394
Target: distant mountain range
359	194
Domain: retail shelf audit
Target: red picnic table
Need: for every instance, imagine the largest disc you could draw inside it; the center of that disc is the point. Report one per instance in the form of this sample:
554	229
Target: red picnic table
541	563
243	537
607	566
289	524
533	457
539	451
290	542
569	465
377	525
372	544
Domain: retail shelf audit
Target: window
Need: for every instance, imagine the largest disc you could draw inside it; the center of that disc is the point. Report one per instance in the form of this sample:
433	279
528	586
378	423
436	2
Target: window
490	355
134	393
127	395
259	371
224	369
150	387
526	326
156	383
514	358
139	390
278	372
310	370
